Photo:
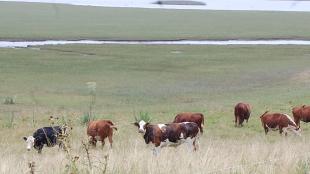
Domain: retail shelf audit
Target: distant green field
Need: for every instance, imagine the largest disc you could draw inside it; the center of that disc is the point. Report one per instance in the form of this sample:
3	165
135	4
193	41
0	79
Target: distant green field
33	21
158	78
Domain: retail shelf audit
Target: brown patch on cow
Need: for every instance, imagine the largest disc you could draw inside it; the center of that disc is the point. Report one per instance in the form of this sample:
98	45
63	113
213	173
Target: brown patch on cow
101	129
301	113
197	118
242	112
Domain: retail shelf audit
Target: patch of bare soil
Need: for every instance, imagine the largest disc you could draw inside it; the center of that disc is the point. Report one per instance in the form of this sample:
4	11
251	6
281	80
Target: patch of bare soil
303	76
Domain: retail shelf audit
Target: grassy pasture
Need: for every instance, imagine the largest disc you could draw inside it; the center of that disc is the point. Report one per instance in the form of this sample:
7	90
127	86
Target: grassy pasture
161	80
34	21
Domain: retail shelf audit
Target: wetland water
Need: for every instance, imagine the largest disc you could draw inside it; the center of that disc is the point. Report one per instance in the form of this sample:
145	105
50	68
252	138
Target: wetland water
19	44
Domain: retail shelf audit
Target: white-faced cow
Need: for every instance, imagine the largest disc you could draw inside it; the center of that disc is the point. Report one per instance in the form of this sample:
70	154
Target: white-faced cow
242	112
44	136
197	118
99	130
278	121
301	113
172	134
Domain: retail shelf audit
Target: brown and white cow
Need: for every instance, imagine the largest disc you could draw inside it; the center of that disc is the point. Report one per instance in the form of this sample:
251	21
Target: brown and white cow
279	121
197	118
172	134
99	130
242	112
301	113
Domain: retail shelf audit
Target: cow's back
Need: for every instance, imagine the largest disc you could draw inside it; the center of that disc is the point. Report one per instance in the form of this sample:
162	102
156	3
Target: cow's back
242	109
47	135
271	120
274	120
99	128
197	118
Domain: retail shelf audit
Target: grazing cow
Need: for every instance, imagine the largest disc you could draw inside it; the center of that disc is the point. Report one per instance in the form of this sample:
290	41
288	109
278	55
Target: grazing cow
99	130
242	112
278	121
172	134
197	118
301	113
44	136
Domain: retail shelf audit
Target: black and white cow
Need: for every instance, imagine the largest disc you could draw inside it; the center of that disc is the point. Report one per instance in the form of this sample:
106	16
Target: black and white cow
172	134
44	136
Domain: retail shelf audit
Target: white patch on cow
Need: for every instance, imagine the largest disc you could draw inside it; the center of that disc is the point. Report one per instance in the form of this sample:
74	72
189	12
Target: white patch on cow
181	136
290	119
186	122
141	126
293	129
30	142
161	126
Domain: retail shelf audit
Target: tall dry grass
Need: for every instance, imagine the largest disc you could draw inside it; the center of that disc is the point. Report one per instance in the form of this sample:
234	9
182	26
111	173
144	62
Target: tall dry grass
256	154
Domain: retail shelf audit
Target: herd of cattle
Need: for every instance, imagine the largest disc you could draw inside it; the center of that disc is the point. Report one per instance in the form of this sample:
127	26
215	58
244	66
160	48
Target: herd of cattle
186	128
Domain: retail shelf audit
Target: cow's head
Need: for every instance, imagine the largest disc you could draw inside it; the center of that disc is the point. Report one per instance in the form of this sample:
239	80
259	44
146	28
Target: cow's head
29	141
141	126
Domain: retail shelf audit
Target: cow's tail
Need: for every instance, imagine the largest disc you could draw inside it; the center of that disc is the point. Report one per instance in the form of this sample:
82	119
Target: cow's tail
202	120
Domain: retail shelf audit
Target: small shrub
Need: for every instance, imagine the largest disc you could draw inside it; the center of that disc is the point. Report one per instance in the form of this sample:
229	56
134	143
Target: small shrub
85	118
9	100
145	116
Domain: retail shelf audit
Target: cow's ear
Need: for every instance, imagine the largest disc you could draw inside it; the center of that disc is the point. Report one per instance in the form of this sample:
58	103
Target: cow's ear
25	138
146	124
136	124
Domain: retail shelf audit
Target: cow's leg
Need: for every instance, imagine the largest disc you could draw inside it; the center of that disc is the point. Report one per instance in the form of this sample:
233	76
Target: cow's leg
110	140
102	142
156	149
281	129
285	130
189	143
241	120
201	129
39	148
93	141
236	120
195	144
266	129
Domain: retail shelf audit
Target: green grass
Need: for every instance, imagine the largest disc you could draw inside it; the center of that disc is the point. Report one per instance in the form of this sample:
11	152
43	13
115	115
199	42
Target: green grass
129	79
34	21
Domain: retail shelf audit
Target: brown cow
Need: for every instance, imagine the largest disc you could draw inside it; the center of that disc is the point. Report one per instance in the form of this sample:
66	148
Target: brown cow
278	121
197	118
100	129
173	134
301	113
242	112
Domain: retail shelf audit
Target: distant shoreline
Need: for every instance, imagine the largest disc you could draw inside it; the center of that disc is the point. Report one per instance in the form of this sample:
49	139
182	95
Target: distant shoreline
23	44
242	5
